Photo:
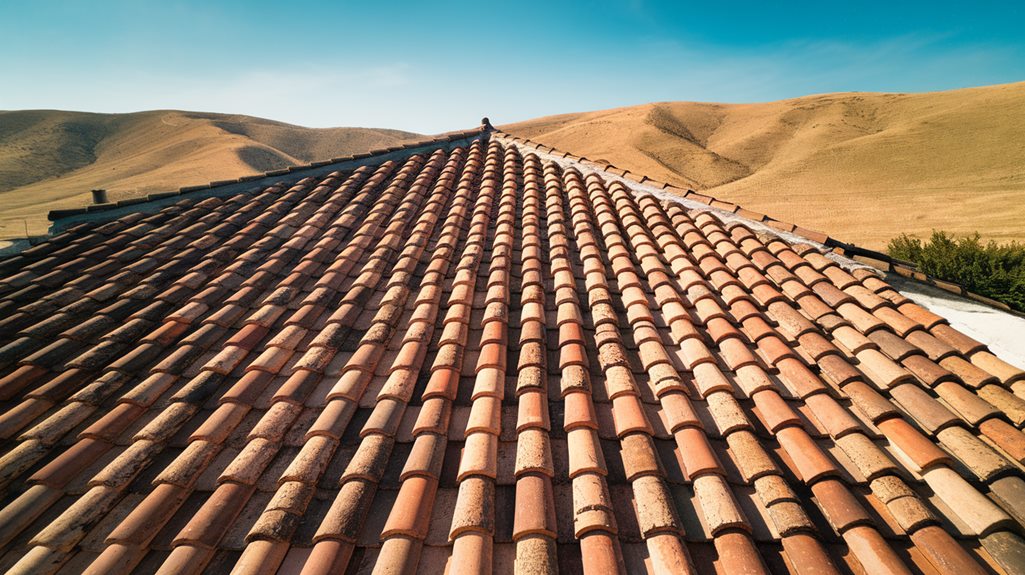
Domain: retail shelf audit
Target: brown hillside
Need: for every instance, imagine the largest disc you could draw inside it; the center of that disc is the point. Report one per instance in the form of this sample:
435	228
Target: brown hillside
51	159
862	167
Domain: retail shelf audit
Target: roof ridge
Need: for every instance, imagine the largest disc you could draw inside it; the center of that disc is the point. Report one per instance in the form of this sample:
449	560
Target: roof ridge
873	258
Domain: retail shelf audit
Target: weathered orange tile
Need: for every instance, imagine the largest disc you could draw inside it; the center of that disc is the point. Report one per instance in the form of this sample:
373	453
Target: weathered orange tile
812	463
411	512
628	415
912	443
535	507
579	411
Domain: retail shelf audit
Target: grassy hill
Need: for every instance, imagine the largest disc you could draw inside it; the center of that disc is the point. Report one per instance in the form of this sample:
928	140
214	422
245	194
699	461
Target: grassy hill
863	167
51	159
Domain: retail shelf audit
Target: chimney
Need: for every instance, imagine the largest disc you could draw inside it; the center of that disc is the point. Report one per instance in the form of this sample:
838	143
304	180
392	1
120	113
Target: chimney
99	196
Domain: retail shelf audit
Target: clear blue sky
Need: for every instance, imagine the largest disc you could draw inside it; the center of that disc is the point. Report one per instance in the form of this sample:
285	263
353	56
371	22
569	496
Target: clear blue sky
433	66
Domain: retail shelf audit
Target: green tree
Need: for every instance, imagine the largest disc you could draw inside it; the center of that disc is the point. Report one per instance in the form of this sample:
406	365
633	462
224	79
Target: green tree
993	270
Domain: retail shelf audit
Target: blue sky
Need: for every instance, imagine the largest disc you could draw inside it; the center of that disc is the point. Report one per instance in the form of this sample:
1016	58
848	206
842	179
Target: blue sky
436	65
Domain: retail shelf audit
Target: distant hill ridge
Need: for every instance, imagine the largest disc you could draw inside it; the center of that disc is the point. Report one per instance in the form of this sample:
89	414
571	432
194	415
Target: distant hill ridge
50	159
863	167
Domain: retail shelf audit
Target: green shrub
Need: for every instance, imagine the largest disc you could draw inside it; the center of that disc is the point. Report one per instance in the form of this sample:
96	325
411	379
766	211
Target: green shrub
993	270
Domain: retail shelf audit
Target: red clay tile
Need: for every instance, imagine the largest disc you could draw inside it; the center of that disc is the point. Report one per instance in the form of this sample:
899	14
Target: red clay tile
810	461
585	454
328	556
967	372
1006	437
579	411
113	423
150	516
775	412
773	349
213	519
737	354
221	422
750	456
838	370
443	383
798	378
600	553
807	555
475	508
943	551
959	341
535	507
485	416
639	456
411	512
480	456
66	467
927	370
187	559
872	552
592	506
912	443
974	453
839	505
720	509
930	414
619	380
629	415
974	509
921	315
249	336
533	411
1004	371
696	453
881	370
572	354
655	510
738	554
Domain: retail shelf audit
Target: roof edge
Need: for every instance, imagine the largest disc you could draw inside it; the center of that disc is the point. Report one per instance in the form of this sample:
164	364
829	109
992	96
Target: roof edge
878	260
65	218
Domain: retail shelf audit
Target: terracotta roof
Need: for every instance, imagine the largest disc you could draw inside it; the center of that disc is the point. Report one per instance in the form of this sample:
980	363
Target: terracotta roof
484	357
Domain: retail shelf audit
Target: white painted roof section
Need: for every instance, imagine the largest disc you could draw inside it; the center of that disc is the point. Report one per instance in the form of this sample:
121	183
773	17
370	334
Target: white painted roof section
1003	332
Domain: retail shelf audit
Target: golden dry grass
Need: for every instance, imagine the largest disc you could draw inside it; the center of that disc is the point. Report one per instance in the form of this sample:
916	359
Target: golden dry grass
862	167
52	159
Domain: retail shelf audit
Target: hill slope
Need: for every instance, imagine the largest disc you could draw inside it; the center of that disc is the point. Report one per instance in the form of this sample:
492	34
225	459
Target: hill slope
863	167
51	159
